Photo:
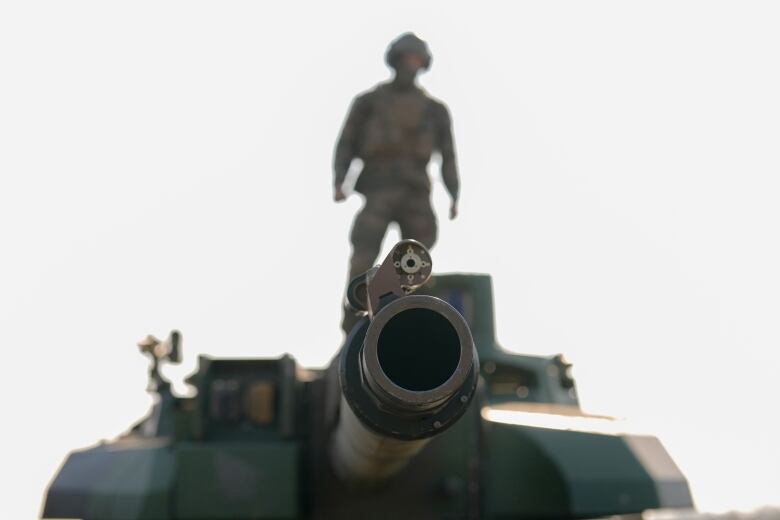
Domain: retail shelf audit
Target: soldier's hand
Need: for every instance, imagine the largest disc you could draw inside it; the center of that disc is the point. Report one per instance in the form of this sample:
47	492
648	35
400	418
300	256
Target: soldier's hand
338	194
453	210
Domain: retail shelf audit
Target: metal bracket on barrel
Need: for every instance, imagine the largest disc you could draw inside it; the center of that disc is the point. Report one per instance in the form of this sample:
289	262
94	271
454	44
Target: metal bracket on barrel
404	269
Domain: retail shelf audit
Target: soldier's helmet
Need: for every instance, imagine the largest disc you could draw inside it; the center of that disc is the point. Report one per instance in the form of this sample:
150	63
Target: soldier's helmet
408	43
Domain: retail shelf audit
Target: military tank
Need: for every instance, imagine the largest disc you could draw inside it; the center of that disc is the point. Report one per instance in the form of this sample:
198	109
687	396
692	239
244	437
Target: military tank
421	415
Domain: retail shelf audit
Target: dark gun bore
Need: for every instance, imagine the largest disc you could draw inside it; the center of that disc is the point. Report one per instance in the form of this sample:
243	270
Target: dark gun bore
418	350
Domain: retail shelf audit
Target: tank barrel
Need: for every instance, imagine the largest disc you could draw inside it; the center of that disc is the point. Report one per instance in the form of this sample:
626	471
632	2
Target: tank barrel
407	372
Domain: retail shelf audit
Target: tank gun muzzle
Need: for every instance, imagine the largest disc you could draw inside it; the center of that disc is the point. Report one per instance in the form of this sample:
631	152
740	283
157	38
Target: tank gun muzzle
407	371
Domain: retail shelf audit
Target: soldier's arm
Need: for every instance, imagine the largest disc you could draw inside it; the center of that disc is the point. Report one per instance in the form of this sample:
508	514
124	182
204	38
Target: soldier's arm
449	165
346	146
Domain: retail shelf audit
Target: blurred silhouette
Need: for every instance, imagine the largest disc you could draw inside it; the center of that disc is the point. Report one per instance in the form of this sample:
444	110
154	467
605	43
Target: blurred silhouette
394	129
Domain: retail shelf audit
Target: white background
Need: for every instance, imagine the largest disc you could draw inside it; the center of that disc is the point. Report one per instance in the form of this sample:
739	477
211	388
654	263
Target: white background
169	165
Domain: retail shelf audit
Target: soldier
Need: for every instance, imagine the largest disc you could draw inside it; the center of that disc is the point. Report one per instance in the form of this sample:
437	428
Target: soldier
394	129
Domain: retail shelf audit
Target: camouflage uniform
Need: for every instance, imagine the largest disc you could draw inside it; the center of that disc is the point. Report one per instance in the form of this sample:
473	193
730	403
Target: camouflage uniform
394	129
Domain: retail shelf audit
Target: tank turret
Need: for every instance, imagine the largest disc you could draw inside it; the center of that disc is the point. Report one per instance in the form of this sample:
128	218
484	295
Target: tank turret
420	415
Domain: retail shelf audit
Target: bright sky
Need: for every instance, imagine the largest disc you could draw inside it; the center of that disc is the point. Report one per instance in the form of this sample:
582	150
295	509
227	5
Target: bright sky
168	165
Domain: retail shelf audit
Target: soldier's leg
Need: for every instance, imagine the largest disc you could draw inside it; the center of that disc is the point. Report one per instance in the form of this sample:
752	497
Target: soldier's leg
417	219
367	234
